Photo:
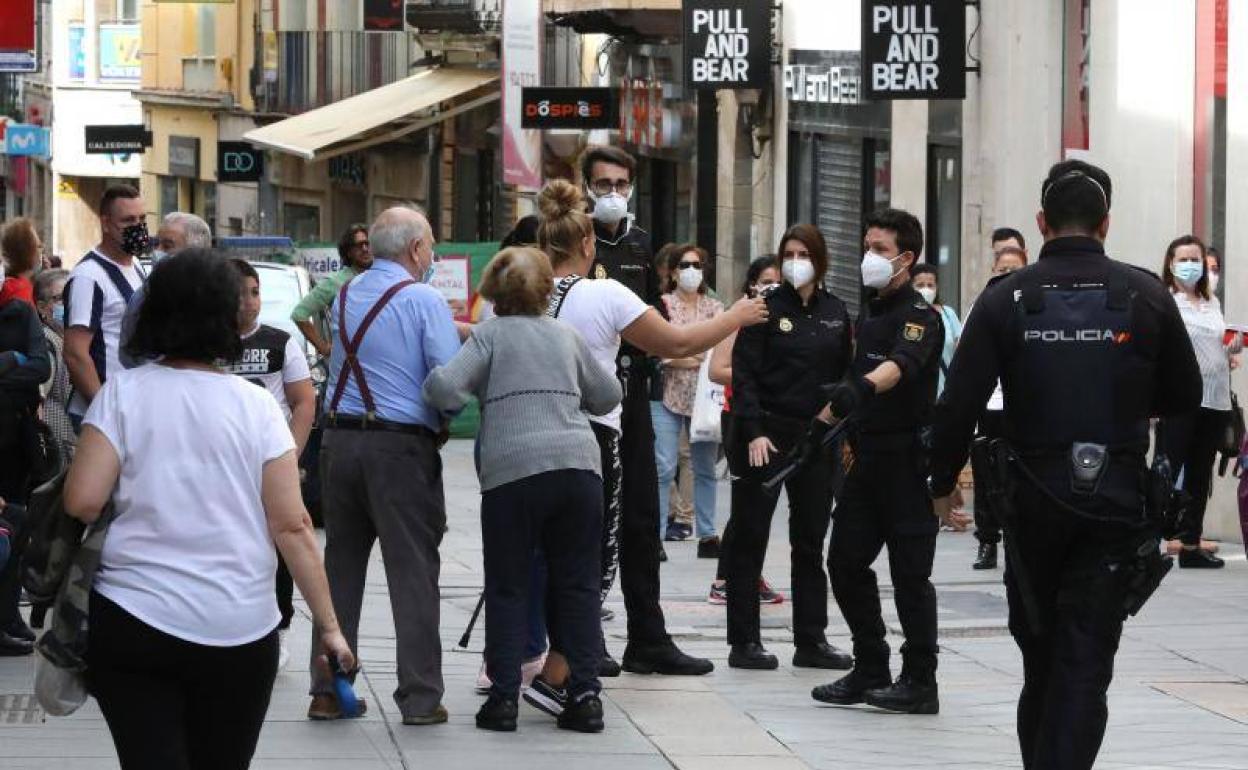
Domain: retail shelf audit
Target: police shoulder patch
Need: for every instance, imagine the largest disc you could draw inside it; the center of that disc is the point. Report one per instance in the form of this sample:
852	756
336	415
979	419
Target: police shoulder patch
913	332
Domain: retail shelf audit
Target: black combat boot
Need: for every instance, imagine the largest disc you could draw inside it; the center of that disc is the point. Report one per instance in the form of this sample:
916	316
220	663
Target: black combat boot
852	687
908	695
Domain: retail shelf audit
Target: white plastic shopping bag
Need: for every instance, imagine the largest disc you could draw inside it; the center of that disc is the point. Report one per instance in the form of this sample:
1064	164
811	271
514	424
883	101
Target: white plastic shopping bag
708	404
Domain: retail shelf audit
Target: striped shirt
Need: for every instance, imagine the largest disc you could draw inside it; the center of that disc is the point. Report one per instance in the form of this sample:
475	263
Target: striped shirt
96	297
1205	325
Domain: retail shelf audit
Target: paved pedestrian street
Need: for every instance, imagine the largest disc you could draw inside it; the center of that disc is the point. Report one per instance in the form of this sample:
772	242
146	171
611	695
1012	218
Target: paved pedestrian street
1179	698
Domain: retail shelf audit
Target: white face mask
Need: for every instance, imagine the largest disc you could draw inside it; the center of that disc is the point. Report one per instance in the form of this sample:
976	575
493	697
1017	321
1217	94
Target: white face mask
611	208
689	279
798	271
877	270
1213	282
928	294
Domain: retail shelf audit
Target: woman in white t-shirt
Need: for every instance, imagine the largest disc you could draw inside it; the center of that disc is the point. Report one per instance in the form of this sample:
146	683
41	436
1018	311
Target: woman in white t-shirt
1192	440
200	468
604	311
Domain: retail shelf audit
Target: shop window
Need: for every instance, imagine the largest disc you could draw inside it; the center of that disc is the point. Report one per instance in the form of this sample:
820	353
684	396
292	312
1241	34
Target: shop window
302	223
168	195
199	71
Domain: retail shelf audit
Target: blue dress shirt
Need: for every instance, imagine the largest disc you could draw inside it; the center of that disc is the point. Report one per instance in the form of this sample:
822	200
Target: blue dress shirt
413	334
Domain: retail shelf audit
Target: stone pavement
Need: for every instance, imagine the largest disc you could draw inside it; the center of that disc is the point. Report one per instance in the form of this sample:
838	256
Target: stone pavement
1179	698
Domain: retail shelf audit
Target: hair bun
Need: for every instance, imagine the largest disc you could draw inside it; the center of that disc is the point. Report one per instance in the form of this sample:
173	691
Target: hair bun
559	198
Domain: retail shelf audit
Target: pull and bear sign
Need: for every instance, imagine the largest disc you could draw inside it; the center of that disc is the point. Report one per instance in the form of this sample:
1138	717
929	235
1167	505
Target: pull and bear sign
914	49
911	49
727	43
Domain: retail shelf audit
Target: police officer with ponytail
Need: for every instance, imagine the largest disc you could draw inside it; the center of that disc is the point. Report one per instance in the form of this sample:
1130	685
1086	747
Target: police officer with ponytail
1087	350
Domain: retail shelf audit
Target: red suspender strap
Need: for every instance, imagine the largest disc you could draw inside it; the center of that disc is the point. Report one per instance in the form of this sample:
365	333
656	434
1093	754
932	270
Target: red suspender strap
351	347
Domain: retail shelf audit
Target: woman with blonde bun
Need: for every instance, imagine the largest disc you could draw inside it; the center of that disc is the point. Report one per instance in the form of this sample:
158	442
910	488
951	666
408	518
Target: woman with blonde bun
604	311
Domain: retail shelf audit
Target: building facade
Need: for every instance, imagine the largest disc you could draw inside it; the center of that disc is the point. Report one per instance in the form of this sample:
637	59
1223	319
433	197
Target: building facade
90	65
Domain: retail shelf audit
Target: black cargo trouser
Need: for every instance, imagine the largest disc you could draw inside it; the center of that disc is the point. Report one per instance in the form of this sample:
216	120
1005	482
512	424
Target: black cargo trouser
886	503
987	527
639	520
810	507
1079	595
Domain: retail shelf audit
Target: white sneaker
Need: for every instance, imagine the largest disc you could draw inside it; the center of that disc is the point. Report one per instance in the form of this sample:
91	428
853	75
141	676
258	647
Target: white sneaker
530	669
283	651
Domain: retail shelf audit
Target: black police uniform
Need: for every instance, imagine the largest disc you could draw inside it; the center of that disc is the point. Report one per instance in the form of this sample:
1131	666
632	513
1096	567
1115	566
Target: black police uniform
779	370
1087	350
626	256
885	500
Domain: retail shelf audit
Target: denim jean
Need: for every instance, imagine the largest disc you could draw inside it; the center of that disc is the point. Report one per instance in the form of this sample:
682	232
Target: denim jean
667	425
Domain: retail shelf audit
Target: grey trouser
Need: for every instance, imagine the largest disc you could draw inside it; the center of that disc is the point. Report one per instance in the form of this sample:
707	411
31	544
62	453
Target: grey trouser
388	487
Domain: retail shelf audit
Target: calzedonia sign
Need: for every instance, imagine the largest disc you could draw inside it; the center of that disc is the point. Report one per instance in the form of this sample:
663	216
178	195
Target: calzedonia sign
727	43
914	49
577	108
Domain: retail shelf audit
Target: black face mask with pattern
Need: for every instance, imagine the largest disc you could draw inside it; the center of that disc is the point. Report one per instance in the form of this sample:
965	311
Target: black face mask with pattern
135	239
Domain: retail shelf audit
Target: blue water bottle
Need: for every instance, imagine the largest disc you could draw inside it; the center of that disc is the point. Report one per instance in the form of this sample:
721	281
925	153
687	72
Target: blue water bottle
347	702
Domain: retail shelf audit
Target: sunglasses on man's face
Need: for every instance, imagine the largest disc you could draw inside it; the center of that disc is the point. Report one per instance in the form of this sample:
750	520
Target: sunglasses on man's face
687	264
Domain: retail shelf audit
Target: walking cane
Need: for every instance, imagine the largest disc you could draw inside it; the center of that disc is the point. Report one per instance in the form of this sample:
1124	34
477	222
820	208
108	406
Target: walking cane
472	622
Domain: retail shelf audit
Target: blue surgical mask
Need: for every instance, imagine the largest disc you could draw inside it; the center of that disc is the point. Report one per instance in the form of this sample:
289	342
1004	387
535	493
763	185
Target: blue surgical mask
428	276
1187	273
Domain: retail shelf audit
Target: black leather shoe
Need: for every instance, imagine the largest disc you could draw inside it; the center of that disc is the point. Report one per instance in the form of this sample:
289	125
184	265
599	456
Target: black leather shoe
11	646
752	656
822	655
583	715
850	688
987	558
708	548
608	666
908	695
662	553
19	630
665	658
1199	558
498	714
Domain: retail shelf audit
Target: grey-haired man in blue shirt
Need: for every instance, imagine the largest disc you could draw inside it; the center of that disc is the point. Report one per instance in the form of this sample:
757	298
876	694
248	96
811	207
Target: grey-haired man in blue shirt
380	471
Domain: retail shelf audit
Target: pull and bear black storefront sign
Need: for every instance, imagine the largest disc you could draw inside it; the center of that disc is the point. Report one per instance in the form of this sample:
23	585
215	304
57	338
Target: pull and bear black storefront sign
913	49
727	43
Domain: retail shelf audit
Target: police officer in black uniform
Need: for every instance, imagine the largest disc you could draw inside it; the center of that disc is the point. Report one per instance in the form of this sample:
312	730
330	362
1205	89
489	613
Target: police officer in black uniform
624	253
1087	349
780	371
888	396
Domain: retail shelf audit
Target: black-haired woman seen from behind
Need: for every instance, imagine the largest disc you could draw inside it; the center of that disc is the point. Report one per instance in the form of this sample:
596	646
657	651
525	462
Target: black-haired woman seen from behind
183	646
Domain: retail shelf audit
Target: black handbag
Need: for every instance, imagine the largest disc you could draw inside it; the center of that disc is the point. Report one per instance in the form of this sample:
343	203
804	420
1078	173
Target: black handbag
42	449
1232	436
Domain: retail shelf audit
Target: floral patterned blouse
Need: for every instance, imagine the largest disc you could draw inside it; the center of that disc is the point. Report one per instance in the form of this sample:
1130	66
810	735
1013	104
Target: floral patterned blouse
680	385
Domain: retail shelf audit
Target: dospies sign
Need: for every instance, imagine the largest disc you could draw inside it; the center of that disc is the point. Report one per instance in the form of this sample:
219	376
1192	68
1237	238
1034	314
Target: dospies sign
727	43
914	49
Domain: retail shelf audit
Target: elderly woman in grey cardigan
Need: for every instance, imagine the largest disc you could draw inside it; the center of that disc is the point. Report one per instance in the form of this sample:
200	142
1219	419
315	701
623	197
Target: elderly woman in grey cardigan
541	479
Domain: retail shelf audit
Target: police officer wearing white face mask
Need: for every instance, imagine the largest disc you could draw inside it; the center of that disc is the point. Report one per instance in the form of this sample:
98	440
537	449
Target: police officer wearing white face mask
623	252
889	393
779	371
